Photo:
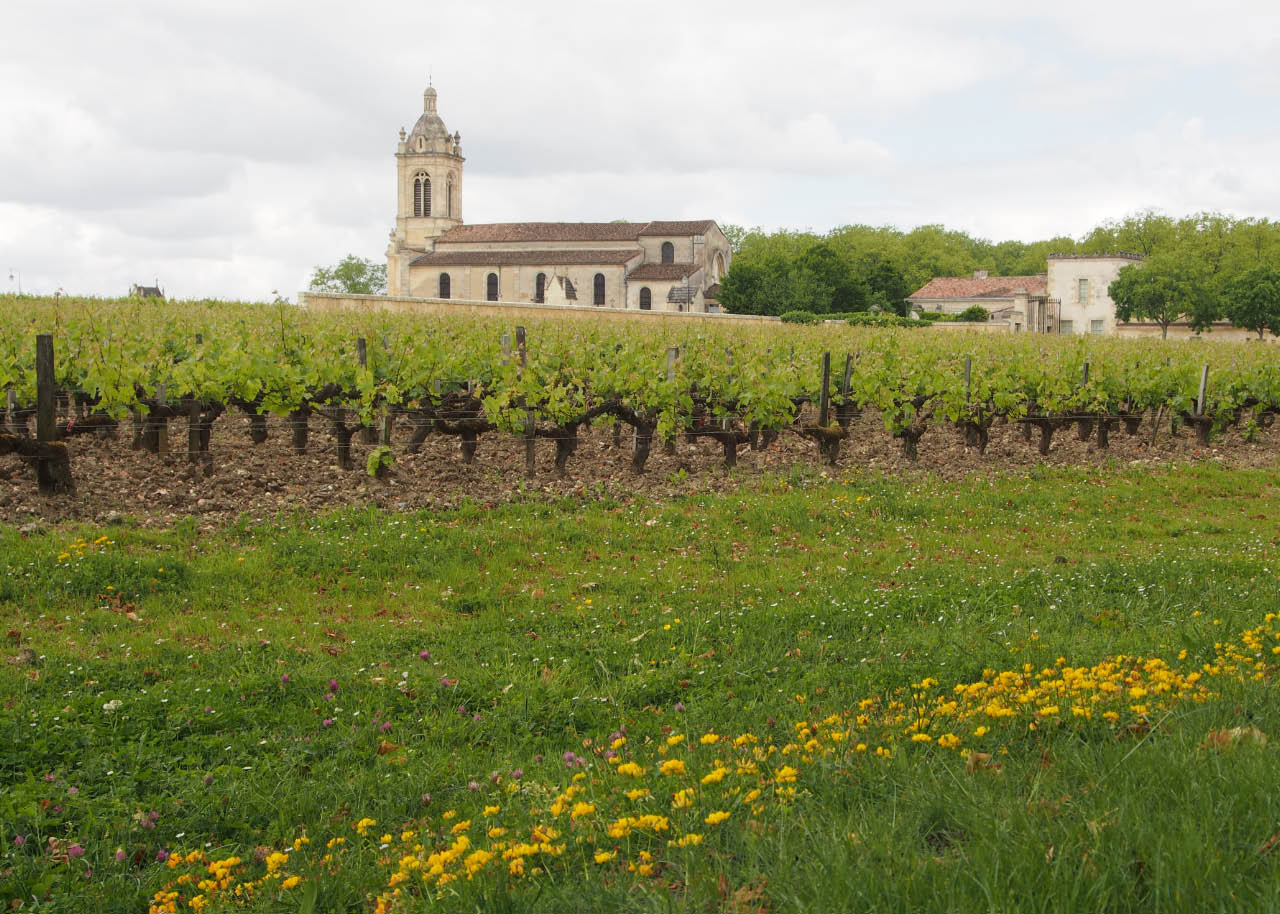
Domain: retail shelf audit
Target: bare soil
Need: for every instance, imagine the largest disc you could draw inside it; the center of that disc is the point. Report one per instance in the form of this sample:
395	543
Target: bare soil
115	483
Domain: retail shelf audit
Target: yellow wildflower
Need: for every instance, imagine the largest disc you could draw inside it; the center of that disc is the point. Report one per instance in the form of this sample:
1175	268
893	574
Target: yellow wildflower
715	776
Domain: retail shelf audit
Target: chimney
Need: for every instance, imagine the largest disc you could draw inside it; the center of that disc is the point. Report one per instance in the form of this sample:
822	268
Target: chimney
979	274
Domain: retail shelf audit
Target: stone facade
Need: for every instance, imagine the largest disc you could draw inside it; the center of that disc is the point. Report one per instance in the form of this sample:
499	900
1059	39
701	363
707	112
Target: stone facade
1078	285
660	266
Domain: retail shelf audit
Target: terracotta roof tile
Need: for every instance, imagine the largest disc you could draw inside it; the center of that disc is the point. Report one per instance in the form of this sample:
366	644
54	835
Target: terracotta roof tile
988	287
482	233
660	271
699	227
524	258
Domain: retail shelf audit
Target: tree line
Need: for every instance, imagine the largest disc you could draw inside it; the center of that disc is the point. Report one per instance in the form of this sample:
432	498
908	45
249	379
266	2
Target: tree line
1202	268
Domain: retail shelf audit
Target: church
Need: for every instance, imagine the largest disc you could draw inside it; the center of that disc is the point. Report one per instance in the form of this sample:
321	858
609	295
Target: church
645	266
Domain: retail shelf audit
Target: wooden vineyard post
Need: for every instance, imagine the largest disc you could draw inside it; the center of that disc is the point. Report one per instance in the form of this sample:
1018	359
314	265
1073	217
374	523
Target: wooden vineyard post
975	430
673	353
824	397
1203	423
388	418
162	427
193	430
728	355
844	410
46	421
617	424
1084	425
828	439
53	467
11	411
368	434
529	438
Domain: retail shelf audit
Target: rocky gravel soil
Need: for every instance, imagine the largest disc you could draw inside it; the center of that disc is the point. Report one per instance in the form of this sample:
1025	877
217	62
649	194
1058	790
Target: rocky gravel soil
115	483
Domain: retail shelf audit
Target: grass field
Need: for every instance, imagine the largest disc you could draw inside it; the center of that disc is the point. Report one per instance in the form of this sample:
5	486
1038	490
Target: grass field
1047	692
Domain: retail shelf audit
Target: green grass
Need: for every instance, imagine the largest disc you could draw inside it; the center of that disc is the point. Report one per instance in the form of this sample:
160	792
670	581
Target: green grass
552	627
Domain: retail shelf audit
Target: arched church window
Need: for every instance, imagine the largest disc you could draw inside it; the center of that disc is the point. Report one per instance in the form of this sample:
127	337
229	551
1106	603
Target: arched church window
646	299
422	195
491	287
444	285
448	198
719	267
540	288
668	252
598	298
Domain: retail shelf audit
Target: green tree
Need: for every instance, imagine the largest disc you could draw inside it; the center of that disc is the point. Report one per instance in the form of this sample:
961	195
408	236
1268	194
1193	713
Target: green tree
735	233
741	288
1253	301
1145	232
823	281
351	275
886	286
1163	290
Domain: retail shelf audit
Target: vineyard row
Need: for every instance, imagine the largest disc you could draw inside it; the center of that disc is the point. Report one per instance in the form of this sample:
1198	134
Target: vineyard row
555	406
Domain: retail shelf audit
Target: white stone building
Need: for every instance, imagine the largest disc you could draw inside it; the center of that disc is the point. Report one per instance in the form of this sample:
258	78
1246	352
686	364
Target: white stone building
1078	287
1071	297
659	266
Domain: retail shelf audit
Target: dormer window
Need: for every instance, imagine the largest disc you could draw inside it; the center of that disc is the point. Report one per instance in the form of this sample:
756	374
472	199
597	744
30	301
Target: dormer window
422	195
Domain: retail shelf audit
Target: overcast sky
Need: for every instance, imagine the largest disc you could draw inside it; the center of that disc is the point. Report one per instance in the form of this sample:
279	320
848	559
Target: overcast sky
227	148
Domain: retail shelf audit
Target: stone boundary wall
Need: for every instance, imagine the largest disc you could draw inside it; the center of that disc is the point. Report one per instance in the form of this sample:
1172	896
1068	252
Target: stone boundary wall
329	301
1220	332
974	326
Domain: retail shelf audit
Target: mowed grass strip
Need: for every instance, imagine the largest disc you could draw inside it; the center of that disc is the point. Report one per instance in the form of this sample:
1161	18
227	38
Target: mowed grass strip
257	694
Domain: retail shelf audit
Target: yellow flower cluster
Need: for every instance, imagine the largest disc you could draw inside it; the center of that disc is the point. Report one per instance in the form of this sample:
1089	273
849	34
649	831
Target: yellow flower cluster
619	816
80	547
218	880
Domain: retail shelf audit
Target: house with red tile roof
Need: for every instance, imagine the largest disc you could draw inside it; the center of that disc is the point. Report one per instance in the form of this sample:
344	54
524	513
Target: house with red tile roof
433	253
1017	300
1070	297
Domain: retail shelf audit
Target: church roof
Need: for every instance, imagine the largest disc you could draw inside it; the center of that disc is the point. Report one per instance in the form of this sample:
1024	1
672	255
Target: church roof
497	232
984	287
658	271
699	227
523	258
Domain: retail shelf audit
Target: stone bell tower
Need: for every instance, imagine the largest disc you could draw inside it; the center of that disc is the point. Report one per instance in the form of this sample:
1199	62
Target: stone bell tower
428	191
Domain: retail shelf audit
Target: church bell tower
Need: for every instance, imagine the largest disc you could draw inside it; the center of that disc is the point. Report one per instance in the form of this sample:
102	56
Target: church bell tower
428	191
